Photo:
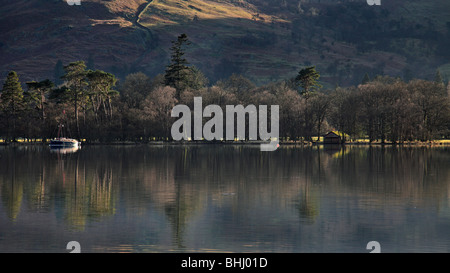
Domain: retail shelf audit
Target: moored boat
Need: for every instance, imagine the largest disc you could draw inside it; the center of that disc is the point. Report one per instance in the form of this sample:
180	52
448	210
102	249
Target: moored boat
63	142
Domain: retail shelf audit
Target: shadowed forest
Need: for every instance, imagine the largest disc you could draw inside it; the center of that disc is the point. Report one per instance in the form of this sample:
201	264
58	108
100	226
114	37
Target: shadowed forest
94	106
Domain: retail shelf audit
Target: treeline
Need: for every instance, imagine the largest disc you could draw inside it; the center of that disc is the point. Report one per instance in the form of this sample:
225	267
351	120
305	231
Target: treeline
384	109
93	105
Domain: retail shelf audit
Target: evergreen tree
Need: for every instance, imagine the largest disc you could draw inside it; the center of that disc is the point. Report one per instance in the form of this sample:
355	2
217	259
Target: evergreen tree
195	79
307	79
100	84
366	79
36	94
438	77
76	92
12	101
177	71
37	108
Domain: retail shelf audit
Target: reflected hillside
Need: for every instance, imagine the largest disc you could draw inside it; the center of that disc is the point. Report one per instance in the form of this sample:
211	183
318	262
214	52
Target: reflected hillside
216	190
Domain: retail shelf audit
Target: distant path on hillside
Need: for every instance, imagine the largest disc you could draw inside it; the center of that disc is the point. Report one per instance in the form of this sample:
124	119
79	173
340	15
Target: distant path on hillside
140	11
151	39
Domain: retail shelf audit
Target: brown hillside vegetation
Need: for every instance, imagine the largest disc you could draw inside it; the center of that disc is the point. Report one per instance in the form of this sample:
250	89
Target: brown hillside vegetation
261	39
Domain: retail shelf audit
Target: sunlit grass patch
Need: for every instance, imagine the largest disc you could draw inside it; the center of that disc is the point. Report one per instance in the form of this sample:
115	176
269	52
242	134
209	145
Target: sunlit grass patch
167	12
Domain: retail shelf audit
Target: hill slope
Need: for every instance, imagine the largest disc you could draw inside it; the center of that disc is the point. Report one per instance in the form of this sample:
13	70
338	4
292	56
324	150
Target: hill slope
262	39
35	34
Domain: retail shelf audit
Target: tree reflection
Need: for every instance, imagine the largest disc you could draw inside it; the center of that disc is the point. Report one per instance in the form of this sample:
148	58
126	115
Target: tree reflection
308	206
88	189
39	177
232	193
12	185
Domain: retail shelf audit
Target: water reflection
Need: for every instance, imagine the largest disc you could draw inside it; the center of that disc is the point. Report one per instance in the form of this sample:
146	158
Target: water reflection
225	198
64	150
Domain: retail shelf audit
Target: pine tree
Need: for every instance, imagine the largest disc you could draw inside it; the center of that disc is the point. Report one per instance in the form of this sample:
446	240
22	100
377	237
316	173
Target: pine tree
36	94
177	71
438	77
12	101
101	93
366	79
307	79
76	92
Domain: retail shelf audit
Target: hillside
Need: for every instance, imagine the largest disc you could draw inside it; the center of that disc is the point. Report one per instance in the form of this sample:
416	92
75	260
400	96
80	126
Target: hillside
35	34
264	40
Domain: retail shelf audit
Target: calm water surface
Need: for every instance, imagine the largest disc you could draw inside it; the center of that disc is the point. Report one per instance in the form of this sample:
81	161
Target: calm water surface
225	199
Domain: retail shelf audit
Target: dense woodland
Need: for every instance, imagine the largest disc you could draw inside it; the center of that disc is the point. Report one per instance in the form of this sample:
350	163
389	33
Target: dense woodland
94	106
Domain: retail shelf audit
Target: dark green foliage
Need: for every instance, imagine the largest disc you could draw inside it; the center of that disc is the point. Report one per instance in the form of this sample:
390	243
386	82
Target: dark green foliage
36	95
307	79
383	109
100	93
195	79
12	103
366	79
177	71
438	77
75	81
12	94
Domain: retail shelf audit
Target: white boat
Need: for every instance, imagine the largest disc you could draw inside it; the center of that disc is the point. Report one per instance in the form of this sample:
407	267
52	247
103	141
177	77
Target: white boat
62	142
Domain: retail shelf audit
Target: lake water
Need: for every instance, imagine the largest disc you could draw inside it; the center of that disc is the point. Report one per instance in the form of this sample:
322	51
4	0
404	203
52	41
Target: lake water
230	198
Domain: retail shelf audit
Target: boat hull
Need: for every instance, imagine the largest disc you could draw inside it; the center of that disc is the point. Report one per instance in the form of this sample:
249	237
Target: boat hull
63	143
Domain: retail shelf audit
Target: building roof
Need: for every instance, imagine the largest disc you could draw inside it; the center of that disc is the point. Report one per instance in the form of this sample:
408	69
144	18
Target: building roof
336	134
331	134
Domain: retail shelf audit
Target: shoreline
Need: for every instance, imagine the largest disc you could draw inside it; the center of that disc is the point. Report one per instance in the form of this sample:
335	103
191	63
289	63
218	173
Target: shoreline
282	143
